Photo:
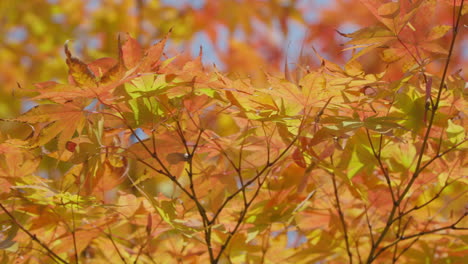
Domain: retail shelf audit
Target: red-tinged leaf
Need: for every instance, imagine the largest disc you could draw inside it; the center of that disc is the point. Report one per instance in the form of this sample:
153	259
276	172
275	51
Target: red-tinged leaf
428	96
373	7
55	90
62	93
327	151
428	88
387	13
48	113
369	91
100	66
314	219
70	146
132	52
320	136
79	71
12	146
152	56
114	74
193	105
194	66
389	10
304	141
107	177
298	158
149	224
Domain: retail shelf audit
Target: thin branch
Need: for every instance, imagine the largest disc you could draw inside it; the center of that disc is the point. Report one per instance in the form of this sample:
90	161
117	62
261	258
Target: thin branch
248	183
439	155
73	231
239	167
341	215
371	232
200	208
382	167
240	219
260	181
417	207
406	249
32	236
140	250
357	251
424	233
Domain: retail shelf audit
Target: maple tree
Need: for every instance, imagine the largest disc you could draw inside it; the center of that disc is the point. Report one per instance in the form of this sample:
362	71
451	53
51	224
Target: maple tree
150	158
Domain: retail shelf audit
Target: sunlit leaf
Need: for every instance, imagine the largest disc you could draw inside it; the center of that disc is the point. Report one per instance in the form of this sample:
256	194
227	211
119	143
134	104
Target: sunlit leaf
455	133
79	71
438	32
389	10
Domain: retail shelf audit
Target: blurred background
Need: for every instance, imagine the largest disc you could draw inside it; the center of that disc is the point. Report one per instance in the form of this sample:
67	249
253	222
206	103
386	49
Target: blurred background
244	37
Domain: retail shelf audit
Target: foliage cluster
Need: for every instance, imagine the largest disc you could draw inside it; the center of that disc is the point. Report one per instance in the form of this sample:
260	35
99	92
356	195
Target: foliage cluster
160	160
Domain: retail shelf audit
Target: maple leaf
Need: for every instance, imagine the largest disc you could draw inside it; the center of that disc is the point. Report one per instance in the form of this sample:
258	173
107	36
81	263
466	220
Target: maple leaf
117	71
79	71
18	165
62	121
131	52
106	177
151	57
